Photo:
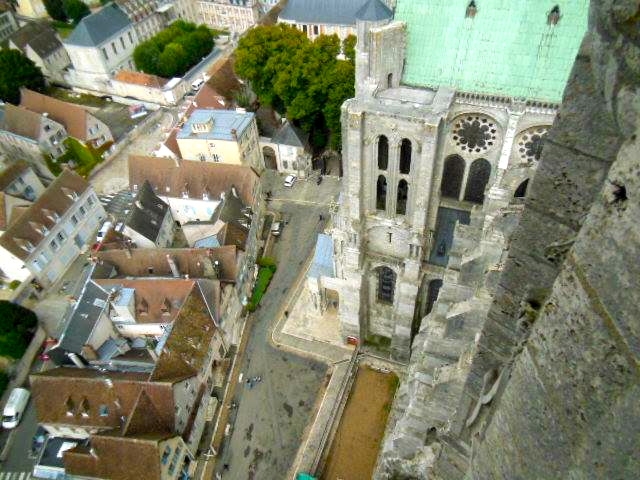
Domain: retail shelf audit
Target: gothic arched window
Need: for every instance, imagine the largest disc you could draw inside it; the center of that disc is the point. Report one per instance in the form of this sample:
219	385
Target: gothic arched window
386	284
452	177
479	174
381	193
403	193
390	80
521	191
383	152
405	156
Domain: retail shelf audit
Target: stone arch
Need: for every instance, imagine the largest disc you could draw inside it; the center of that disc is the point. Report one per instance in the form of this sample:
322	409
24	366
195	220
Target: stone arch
390	80
383	152
405	156
270	159
479	174
521	191
381	193
386	284
401	199
452	176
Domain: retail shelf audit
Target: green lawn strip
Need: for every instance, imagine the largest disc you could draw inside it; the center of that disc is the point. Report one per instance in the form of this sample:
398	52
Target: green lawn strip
265	273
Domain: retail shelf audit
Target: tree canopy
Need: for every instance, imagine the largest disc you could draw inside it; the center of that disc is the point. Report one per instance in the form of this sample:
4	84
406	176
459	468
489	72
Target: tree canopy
16	329
76	10
64	10
174	50
302	79
16	71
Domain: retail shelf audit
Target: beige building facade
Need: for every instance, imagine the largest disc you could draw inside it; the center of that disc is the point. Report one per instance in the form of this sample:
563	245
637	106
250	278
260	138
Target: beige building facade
235	16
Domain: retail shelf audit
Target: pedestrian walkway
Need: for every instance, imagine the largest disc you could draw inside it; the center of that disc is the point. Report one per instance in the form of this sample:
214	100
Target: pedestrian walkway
16	475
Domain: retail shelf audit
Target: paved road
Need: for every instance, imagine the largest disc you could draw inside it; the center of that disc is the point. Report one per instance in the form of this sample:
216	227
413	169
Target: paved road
272	416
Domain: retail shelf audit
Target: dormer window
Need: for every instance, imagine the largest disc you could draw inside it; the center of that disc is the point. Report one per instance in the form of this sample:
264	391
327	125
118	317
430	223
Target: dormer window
84	408
143	307
51	215
70	193
205	196
166	306
70	407
554	16
25	245
40	228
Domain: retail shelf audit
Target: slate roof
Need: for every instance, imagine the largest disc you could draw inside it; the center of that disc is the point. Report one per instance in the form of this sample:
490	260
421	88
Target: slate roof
331	12
72	116
289	134
322	258
196	177
147	213
374	11
230	211
227	124
190	261
95	29
55	198
84	318
20	121
41	37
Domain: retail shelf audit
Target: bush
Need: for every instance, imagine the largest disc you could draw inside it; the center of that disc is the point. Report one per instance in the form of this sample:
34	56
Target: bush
16	329
14	284
85	158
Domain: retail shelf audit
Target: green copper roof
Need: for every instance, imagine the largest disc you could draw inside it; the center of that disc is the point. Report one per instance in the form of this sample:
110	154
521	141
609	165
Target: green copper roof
508	48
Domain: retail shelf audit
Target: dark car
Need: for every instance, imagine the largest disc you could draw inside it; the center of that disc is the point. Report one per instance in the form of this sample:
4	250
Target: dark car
38	441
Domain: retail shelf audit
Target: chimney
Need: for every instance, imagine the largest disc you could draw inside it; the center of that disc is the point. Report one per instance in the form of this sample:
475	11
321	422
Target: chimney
234	133
173	266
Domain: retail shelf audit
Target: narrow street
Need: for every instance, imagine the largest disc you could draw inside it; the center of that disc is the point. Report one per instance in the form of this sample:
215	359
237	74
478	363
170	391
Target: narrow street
271	417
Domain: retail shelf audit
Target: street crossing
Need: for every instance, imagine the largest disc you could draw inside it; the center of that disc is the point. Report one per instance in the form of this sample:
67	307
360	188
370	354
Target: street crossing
16	476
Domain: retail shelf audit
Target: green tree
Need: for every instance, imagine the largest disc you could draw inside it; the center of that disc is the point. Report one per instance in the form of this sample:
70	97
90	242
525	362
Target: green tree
55	9
302	79
349	48
76	10
16	328
17	71
146	56
172	60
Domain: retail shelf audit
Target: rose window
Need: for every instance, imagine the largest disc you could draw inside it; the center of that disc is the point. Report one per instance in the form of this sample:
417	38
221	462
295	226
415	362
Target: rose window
474	133
531	142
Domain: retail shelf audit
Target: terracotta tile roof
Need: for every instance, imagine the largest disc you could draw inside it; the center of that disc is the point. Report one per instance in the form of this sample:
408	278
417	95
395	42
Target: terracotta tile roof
20	121
139	78
56	199
116	458
198	177
72	116
12	172
208	97
154	296
195	262
186	348
146	419
88	398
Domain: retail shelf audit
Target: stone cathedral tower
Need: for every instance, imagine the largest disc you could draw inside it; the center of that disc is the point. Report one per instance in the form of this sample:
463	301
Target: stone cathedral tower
453	100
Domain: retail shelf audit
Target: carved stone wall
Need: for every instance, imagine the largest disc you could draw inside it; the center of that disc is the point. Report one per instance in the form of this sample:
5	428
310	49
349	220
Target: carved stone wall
548	386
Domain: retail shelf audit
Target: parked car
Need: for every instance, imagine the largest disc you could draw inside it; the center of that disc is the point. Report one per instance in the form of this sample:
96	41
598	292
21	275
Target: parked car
276	229
15	407
290	180
106	226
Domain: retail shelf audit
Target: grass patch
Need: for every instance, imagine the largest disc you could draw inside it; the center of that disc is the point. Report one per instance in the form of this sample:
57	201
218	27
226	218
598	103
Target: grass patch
84	158
64	29
265	273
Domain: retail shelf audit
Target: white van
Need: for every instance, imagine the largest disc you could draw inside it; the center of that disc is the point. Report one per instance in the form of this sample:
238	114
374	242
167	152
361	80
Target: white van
15	407
106	226
196	85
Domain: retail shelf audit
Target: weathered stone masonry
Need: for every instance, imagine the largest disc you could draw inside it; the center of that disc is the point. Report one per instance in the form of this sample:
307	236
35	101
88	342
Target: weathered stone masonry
546	384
